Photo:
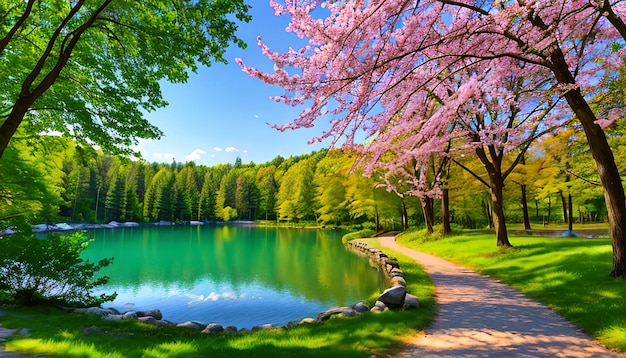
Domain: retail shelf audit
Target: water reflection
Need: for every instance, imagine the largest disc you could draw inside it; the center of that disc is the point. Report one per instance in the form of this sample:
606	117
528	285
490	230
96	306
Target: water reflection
243	275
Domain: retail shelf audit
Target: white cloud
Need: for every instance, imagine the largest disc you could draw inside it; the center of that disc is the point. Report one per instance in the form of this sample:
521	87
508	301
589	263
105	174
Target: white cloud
231	149
217	149
195	155
157	155
196	299
256	116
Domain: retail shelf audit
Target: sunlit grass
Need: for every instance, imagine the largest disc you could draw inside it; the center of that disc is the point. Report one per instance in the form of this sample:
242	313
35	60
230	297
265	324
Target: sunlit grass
570	275
56	333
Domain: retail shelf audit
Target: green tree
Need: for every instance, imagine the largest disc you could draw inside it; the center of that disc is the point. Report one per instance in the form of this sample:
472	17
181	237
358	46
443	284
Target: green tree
296	196
188	192
246	194
91	69
330	177
27	190
210	187
267	185
160	194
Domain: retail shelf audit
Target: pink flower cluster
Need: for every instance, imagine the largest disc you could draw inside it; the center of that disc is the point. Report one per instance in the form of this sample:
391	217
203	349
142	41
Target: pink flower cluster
430	78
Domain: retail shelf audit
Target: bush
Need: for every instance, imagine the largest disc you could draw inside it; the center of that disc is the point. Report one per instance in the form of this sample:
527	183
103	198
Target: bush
34	270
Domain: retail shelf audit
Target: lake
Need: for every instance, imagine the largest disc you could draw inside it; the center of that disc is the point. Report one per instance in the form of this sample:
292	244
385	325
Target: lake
242	276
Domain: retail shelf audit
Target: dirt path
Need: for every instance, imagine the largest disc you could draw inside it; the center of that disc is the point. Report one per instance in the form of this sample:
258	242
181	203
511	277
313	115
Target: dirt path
481	317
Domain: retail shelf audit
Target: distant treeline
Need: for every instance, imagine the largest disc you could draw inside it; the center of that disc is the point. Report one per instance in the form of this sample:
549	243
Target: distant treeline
51	179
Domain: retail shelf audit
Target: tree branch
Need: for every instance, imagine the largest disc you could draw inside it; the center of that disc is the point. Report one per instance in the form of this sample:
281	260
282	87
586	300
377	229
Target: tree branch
6	39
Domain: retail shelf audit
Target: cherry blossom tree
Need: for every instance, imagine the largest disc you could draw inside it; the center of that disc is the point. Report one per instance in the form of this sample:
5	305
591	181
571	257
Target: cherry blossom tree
372	66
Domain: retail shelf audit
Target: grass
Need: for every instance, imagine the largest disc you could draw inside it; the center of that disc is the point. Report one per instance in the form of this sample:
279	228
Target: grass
570	275
56	333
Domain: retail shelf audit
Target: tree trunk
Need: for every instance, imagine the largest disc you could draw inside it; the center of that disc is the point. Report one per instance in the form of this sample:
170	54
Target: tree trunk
13	121
549	209
605	163
487	208
497	210
564	204
536	209
405	216
445	212
570	222
429	213
525	208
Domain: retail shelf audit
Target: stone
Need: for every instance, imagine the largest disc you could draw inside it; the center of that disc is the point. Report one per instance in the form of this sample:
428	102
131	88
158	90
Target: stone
393	297
361	307
230	329
156	313
398	281
411	301
307	320
378	307
190	324
130	314
213	328
346	311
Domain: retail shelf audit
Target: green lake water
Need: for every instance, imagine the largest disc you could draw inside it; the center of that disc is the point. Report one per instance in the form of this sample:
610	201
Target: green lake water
232	275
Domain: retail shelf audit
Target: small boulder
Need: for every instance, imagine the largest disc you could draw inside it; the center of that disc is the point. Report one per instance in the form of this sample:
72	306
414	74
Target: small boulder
361	307
156	313
411	301
230	329
393	297
190	324
398	281
378	307
213	328
307	320
346	311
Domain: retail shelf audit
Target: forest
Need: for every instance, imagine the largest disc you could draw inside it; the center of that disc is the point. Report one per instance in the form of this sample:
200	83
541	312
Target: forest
52	179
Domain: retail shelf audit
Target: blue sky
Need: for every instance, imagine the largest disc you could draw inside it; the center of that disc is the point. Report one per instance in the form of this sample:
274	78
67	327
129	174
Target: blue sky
221	113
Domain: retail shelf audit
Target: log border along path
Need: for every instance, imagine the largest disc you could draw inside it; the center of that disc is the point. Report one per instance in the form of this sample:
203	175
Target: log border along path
480	317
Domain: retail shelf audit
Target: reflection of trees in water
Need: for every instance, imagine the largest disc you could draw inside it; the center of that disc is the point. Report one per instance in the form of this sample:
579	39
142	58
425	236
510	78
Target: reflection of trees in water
312	264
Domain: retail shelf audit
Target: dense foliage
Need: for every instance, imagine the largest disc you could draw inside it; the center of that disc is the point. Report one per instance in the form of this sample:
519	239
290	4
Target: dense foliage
55	180
35	269
91	69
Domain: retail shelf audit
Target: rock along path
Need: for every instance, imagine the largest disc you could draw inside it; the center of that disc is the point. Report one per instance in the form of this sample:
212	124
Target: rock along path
481	317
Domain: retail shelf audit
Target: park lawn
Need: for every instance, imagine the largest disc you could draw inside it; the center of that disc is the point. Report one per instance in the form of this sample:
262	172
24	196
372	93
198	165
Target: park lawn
56	333
570	275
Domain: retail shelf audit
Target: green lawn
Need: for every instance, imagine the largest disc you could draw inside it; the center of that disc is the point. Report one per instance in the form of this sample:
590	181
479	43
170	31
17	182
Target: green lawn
55	333
570	275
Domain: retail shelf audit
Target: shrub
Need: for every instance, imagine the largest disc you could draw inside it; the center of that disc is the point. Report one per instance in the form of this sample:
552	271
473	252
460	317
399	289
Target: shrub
33	270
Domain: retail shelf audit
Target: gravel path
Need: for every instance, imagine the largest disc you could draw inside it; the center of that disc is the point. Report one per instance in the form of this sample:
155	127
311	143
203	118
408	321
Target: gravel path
481	317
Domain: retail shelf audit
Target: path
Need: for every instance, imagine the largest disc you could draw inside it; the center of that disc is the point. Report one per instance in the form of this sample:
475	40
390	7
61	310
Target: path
481	317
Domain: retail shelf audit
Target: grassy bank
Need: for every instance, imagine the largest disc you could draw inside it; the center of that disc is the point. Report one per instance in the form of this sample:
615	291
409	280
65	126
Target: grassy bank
570	275
56	333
